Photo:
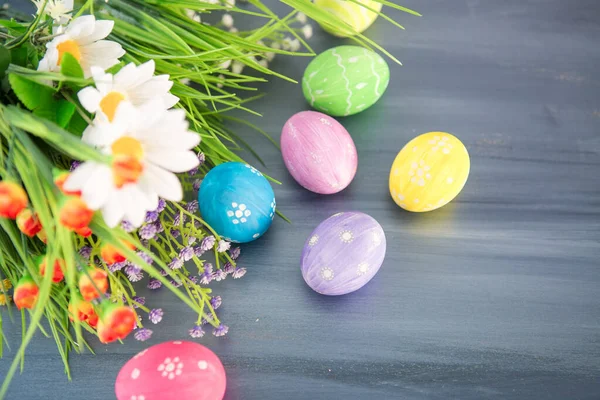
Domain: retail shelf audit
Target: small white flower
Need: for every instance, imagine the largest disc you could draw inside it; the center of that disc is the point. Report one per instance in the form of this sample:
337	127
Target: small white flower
221	78
148	146
286	43
197	18
263	63
270	56
307	31
276	45
229	3
83	40
301	17
136	85
227	20
225	64
58	10
295	45
237	67
190	13
233	30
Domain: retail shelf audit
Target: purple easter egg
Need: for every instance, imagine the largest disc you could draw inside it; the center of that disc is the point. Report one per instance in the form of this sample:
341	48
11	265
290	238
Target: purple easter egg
343	253
318	152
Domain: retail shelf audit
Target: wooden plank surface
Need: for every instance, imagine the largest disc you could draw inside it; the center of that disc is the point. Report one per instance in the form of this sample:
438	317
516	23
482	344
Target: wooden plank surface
495	296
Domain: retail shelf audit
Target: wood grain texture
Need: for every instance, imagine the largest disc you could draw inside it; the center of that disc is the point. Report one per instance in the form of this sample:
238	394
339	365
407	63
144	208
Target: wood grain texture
495	296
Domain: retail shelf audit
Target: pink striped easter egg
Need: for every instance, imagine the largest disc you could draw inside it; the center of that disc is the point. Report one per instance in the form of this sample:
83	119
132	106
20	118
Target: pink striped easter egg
318	152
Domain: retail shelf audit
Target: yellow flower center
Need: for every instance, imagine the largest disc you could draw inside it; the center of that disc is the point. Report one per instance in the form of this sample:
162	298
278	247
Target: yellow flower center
109	104
68	46
127	156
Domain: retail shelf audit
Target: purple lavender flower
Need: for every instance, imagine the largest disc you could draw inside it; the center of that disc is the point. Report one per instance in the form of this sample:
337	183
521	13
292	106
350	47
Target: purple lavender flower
85	252
179	219
228	268
208	243
215	302
118	266
74	165
135	277
196	224
151	216
132	269
164	273
139	300
193	172
196	184
176	283
176	263
191	240
206	276
219	275
127	226
155	315
196	331
221	330
192	206
194	279
198	251
187	253
235	253
154	284
148	231
223	246
159	227
161	205
142	334
201	158
238	273
175	233
146	257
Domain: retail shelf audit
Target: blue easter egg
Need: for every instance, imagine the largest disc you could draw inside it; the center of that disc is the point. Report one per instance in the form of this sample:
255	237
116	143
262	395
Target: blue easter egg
237	201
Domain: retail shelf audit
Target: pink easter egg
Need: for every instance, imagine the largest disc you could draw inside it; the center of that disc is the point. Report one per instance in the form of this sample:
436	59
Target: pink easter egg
318	152
176	370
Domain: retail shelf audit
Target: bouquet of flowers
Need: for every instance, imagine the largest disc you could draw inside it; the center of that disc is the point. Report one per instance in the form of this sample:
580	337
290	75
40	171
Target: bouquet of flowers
111	111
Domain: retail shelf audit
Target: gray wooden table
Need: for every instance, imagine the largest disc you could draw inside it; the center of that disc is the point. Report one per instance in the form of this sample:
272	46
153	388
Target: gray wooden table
495	296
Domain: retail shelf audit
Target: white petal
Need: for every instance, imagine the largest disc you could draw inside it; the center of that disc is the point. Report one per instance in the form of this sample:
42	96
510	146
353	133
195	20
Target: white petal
78	178
134	204
101	30
126	76
113	211
103	81
175	161
145	185
81	26
150	90
100	185
90	98
43	65
170	100
164	183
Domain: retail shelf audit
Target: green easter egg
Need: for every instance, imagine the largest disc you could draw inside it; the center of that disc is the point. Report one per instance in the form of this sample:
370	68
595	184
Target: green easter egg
345	80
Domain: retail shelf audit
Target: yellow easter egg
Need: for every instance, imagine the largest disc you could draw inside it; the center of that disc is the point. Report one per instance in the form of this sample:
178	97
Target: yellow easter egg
429	172
355	15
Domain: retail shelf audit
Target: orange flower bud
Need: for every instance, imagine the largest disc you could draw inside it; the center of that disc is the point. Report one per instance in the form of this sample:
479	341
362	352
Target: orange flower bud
12	199
42	236
83	311
59	181
75	214
126	169
57	272
91	281
85	231
26	293
28	222
111	255
116	322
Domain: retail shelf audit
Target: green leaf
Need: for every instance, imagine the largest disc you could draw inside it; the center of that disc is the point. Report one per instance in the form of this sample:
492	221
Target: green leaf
14	28
19	55
77	125
70	67
4	60
64	113
33	95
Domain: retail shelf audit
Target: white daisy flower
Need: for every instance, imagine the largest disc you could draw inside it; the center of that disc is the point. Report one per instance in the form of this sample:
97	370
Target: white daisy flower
83	40
58	10
148	145
307	31
136	85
